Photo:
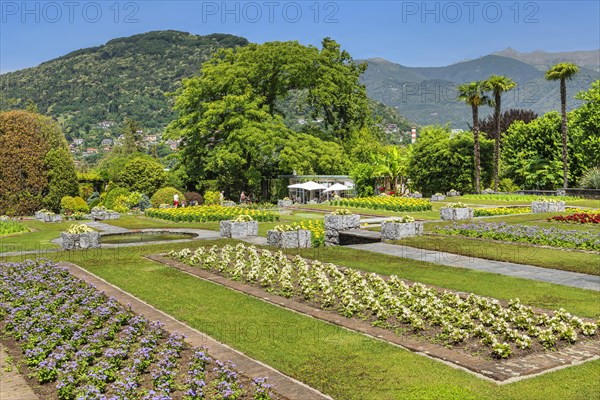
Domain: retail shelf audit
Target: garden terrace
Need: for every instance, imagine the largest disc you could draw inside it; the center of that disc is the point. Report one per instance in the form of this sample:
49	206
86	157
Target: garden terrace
440	317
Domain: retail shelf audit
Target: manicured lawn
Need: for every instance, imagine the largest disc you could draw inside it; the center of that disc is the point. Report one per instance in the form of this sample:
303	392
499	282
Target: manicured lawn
574	203
37	239
338	362
421	215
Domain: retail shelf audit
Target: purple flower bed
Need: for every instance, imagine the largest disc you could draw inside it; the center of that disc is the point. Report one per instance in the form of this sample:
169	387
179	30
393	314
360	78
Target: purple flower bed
584	240
88	346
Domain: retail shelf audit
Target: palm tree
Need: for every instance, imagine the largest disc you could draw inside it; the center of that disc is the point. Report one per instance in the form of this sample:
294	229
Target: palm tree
562	72
392	165
498	84
474	94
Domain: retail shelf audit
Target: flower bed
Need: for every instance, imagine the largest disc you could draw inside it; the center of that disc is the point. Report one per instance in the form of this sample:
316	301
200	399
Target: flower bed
390	203
484	212
525	233
578	218
209	213
8	227
86	346
516	197
469	321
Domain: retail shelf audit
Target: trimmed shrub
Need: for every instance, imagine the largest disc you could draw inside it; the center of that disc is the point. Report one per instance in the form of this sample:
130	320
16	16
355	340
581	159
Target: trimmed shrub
111	197
67	203
212	197
80	205
165	196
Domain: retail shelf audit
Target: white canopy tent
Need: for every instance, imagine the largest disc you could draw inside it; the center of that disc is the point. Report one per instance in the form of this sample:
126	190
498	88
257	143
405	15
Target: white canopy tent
336	187
310	186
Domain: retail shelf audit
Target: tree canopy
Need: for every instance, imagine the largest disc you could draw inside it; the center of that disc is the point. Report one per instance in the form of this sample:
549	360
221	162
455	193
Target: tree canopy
36	167
233	129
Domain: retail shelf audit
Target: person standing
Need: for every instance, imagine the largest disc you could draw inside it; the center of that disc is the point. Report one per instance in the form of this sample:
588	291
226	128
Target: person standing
175	200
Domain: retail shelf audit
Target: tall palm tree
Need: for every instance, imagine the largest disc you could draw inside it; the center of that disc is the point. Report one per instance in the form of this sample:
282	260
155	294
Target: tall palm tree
563	72
498	84
475	95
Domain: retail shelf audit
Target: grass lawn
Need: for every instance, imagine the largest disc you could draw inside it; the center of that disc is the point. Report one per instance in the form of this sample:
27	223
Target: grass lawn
574	203
343	364
340	363
421	215
39	237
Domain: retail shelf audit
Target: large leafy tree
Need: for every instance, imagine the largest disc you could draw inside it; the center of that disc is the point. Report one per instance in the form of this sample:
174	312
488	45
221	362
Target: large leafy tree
475	95
532	156
232	128
144	175
442	161
563	72
498	84
487	125
584	125
36	167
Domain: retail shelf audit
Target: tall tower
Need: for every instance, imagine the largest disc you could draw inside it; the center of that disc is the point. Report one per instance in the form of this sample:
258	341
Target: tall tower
413	134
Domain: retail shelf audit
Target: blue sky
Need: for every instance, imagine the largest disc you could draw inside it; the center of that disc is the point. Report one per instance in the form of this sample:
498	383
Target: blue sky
413	33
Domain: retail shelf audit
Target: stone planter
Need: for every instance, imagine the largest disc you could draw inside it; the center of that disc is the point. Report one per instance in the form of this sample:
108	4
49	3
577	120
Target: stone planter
104	215
284	203
438	197
452	193
298	239
336	223
397	230
455	214
543	206
52	217
75	241
416	195
238	230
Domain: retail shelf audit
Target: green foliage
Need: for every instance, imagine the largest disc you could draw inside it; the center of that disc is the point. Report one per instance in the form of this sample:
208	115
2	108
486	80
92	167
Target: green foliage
194	197
392	165
121	204
442	161
212	197
507	185
591	179
234	131
584	126
110	201
143	175
165	196
532	156
36	167
79	205
67	203
364	182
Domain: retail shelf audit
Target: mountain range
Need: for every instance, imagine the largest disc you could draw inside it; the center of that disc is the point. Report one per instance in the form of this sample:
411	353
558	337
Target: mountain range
427	95
130	77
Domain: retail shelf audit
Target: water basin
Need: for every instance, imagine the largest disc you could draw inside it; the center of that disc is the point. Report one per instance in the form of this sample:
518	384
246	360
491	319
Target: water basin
140	237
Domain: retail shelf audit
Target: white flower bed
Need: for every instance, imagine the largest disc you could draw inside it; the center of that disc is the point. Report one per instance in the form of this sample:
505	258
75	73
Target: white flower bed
393	303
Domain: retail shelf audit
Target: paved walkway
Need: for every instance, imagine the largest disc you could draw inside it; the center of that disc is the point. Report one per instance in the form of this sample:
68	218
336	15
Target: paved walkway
566	278
101	226
13	385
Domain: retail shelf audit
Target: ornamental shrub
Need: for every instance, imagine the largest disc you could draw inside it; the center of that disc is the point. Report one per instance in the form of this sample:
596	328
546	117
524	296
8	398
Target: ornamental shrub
591	179
111	197
165	196
67	203
212	197
193	196
79	205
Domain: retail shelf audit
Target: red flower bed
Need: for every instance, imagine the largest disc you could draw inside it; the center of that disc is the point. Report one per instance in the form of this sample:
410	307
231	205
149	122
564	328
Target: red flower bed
579	218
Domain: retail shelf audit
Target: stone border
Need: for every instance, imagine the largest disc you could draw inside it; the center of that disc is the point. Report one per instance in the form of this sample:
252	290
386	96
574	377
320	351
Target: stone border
497	371
284	386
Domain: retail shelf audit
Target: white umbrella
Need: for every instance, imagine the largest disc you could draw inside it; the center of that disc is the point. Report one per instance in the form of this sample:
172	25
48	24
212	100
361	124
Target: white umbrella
310	186
336	187
296	186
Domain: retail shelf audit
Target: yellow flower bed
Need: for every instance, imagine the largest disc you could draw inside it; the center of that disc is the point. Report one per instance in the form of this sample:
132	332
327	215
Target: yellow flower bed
481	212
209	213
390	203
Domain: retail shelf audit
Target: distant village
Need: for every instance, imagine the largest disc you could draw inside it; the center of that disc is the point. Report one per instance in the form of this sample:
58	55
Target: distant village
83	148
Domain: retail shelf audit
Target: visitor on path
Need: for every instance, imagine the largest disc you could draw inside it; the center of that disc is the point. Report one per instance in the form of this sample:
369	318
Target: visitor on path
222	196
243	197
175	200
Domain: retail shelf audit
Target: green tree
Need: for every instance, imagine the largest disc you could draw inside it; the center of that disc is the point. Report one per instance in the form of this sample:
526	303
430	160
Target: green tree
36	168
392	165
132	138
442	161
474	94
532	155
143	175
584	125
563	72
498	85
